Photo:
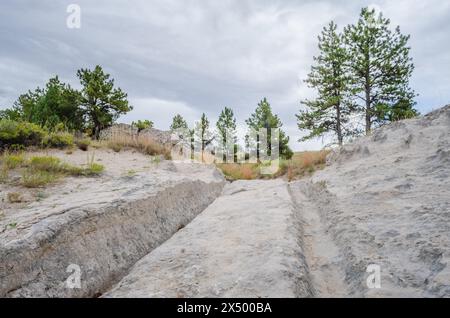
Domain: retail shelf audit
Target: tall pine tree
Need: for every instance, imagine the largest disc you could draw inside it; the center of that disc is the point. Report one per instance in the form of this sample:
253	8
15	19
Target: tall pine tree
264	118
101	101
380	69
203	136
178	122
226	128
329	112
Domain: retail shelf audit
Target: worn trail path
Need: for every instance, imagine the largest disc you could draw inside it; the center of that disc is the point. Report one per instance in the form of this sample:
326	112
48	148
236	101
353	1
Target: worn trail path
248	243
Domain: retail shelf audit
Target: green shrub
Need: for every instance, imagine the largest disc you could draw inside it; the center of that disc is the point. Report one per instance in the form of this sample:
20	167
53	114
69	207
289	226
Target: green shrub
45	163
58	140
143	124
83	144
20	133
94	169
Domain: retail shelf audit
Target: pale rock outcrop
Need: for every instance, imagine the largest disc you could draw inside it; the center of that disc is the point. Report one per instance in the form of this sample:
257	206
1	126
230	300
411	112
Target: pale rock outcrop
385	200
246	244
102	229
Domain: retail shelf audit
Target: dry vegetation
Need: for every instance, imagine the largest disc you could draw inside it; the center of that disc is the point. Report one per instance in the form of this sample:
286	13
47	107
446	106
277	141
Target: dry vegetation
305	163
141	143
38	171
240	171
302	164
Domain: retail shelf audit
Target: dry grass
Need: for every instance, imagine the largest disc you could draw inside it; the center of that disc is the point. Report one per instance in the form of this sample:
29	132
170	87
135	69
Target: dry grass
39	171
14	197
240	171
12	160
142	143
37	179
305	163
302	164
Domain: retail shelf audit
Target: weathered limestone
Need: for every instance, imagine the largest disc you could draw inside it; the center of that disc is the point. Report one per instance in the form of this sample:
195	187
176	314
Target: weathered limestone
104	230
245	244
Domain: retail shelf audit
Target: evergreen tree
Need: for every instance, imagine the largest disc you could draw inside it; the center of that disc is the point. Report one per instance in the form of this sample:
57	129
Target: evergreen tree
55	104
185	135
178	122
264	118
10	114
142	124
331	109
102	103
226	127
203	135
380	69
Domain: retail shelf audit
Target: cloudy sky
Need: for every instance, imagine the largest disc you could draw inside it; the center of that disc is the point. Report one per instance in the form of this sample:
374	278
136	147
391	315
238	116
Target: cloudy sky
189	57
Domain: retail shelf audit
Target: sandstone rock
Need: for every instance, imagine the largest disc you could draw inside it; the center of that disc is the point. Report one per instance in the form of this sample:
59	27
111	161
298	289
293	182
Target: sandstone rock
103	230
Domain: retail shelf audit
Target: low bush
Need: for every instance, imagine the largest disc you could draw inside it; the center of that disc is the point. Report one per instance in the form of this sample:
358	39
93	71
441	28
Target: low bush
115	146
83	144
93	169
20	133
46	163
58	140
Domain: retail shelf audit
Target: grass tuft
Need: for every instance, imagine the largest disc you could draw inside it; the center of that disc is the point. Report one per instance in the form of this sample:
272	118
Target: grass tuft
37	178
14	197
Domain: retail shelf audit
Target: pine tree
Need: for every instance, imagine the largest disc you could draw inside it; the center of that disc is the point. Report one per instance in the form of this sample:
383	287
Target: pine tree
55	104
185	135
142	124
264	118
226	127
331	109
380	69
100	100
178	122
203	136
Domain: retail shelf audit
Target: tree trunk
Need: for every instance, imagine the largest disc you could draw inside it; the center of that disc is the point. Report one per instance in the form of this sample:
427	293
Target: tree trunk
367	89
368	112
338	124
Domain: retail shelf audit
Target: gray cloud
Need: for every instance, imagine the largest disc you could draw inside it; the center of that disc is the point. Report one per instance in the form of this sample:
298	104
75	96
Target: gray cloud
199	56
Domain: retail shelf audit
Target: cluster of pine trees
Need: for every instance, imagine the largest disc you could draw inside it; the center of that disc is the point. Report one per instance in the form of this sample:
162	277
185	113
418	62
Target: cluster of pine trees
203	133
96	106
361	77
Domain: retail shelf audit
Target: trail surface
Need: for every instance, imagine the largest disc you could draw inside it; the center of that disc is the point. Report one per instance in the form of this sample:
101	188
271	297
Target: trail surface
246	244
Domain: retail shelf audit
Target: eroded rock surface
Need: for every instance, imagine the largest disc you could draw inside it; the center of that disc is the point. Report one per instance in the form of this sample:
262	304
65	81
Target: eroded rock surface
103	228
385	200
246	244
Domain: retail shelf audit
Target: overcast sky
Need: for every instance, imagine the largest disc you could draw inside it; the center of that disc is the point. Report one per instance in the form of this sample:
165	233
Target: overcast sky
189	57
